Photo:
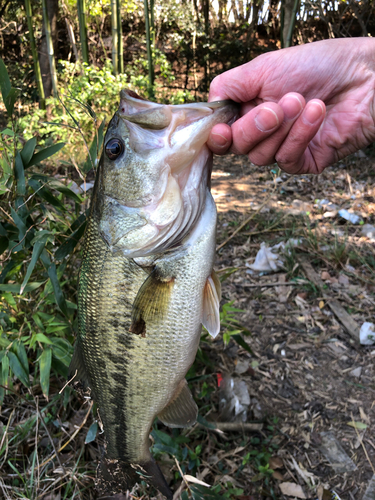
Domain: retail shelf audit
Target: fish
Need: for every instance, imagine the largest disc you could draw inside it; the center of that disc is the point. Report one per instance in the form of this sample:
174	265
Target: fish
146	281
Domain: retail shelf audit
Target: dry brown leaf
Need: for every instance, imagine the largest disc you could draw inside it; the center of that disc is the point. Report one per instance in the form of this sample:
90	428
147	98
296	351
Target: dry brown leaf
292	490
277	475
276	463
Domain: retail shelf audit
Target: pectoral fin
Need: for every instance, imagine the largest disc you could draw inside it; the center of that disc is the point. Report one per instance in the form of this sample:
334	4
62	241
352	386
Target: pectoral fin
182	410
151	303
211	305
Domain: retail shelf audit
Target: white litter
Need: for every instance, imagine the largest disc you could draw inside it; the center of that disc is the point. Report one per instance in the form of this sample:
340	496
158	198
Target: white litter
367	334
234	399
268	258
353	218
369	231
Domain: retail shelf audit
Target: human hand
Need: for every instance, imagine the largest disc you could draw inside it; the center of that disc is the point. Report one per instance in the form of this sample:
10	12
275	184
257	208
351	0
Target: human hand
305	107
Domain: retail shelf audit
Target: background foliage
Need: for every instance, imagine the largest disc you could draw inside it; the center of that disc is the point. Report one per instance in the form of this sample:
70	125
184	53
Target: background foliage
47	153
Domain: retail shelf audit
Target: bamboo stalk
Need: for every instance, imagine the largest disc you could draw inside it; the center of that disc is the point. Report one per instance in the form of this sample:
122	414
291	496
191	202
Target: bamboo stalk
38	75
149	52
51	56
81	7
120	47
114	36
288	41
72	38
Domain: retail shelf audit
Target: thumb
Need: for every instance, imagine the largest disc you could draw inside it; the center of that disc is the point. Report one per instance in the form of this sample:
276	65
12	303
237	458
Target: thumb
241	84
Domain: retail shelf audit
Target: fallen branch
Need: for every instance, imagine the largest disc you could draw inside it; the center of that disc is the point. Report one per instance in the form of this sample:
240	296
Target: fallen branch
277	283
236	426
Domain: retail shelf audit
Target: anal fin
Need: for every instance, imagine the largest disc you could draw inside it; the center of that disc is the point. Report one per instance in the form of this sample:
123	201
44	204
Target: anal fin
182	410
151	303
211	305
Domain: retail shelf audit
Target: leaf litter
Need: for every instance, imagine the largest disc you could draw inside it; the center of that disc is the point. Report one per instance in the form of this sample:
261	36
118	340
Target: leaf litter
290	348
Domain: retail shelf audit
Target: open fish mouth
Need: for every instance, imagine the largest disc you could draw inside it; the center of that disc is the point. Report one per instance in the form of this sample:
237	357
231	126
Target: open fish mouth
167	166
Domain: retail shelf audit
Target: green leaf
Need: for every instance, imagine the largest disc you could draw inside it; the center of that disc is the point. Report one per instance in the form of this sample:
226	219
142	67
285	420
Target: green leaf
14	288
18	369
91	433
7	131
357	425
40	337
46	194
37	250
62	350
68	246
20	350
5	85
20	175
21	229
60	299
45	370
28	151
45	153
240	341
4	374
10	100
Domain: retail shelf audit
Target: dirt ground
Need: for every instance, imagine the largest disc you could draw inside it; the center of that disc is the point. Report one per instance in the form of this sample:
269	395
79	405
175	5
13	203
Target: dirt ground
308	373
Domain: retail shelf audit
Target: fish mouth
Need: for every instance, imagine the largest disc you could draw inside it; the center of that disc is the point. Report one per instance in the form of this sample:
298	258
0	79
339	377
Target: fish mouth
154	116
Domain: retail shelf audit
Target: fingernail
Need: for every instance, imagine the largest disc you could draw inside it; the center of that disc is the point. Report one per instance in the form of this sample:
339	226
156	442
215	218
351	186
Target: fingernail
313	112
219	139
292	107
266	120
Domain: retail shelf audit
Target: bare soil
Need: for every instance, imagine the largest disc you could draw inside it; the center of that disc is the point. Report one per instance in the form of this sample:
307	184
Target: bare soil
307	375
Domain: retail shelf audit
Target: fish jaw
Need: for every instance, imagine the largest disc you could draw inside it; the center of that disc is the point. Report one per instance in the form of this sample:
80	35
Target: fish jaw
160	174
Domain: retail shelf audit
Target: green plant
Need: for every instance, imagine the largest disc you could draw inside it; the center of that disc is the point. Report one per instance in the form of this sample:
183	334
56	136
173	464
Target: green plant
42	225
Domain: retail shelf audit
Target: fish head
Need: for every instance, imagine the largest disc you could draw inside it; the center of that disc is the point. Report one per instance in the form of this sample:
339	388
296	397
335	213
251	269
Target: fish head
154	172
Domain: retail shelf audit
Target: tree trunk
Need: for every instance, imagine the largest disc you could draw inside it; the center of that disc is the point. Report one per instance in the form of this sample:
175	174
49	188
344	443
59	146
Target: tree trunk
149	53
120	47
38	76
114	22
288	20
81	8
52	10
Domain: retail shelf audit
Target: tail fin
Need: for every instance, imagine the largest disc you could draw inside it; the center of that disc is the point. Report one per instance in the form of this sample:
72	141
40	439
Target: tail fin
115	476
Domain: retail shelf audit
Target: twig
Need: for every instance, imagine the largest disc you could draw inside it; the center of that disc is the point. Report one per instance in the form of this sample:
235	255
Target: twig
68	382
277	283
182	475
47	431
236	426
5	436
363	446
70	439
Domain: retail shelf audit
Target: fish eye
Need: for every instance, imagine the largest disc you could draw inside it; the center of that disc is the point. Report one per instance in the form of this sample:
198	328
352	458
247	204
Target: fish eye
114	148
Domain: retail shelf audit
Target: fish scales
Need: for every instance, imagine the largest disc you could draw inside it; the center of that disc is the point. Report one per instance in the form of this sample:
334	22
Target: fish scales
146	281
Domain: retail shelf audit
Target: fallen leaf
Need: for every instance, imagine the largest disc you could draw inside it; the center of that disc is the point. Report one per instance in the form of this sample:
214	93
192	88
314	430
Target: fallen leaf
357	425
292	490
276	463
192	479
277	475
343	280
321	304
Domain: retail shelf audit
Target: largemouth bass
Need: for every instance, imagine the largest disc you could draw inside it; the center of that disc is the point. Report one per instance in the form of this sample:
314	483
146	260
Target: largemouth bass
146	282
